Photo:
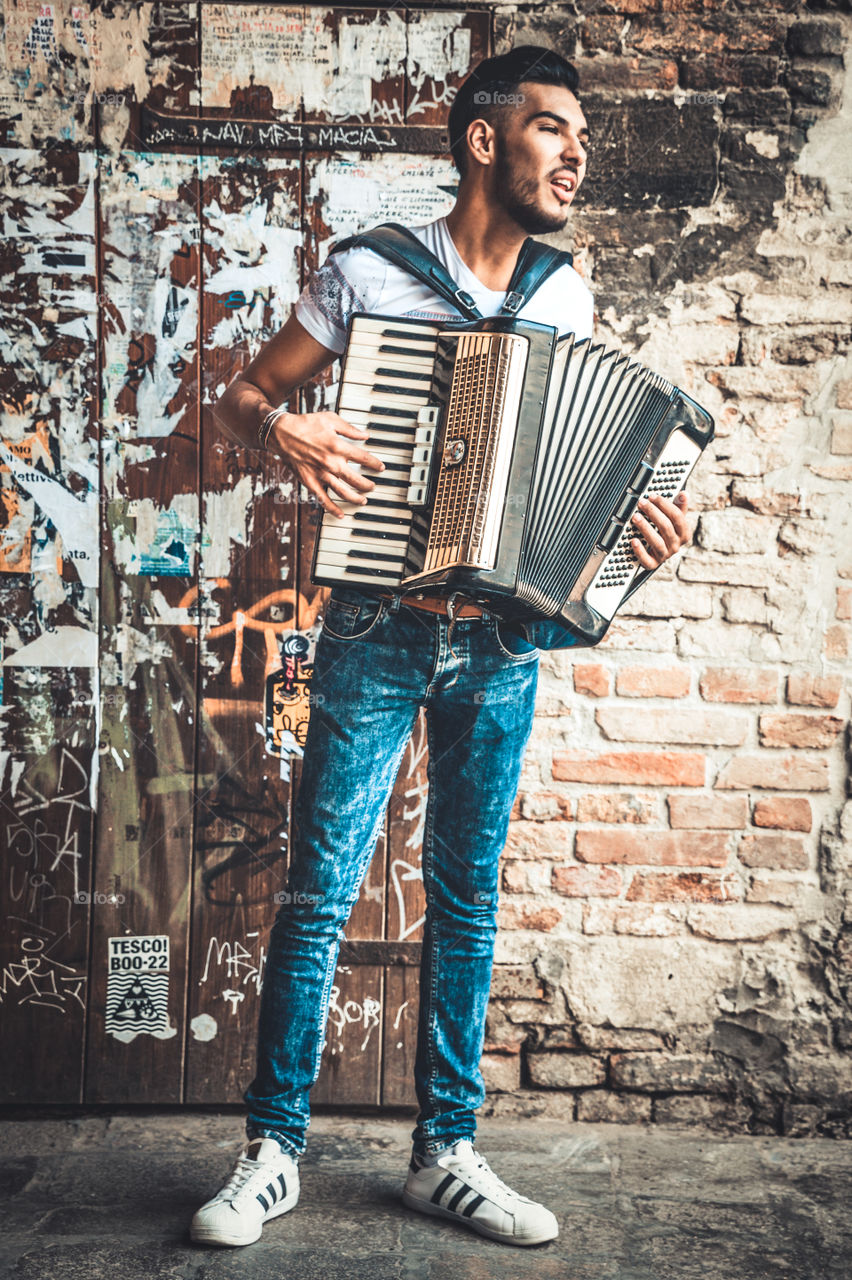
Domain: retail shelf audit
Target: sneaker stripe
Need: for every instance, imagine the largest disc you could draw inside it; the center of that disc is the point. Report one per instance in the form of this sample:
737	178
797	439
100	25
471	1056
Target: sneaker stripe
460	1194
272	1191
444	1185
283	1184
262	1198
474	1204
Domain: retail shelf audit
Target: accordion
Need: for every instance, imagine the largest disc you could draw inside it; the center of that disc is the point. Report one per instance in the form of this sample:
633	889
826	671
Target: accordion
513	459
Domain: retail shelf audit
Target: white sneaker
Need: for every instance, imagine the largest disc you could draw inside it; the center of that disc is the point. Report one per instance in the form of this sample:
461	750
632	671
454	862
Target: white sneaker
461	1185
264	1183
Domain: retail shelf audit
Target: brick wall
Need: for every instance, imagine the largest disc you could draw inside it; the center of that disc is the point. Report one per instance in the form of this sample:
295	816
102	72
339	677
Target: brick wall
676	930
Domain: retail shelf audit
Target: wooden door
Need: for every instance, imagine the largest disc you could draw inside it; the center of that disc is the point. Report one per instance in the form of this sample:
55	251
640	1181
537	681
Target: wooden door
186	167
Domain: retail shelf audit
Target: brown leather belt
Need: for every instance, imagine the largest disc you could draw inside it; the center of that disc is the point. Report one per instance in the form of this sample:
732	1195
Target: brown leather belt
436	604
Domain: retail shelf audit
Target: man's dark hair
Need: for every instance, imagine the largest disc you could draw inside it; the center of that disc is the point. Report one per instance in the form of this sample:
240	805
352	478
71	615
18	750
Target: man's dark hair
479	97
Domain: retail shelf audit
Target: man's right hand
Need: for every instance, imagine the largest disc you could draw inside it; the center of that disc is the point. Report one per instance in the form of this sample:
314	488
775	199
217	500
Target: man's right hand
326	452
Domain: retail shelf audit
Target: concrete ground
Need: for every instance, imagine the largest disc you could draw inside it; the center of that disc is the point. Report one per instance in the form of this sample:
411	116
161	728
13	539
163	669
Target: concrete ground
110	1198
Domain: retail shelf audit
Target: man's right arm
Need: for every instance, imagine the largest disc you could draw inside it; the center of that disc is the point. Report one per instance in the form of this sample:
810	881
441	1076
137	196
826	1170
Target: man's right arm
322	448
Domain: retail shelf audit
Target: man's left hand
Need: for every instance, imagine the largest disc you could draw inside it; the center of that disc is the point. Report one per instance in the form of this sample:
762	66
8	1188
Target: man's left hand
664	527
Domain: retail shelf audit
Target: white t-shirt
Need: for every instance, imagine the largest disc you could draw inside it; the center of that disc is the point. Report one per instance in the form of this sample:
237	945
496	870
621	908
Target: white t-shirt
361	280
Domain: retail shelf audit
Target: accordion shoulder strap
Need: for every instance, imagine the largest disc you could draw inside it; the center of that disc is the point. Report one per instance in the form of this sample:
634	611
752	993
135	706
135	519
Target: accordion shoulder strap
402	247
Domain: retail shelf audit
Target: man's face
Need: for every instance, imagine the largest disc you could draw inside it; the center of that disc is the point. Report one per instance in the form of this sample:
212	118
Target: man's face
540	157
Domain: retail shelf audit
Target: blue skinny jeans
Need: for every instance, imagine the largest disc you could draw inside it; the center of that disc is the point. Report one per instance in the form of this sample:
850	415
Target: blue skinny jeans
377	663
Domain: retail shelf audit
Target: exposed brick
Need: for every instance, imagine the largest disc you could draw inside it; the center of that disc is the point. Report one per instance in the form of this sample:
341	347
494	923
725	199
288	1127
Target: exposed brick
739	921
639	919
844	393
844	603
780	853
735	531
789	813
646	768
529	915
653	682
841	435
539	840
692	726
600	1106
594	1037
669	1073
799	730
739	684
806	690
836	644
501	1072
685	886
530	876
619	806
729	813
516	982
815	39
700	1109
565	1070
592	679
775	773
653	848
782	893
540	806
585	882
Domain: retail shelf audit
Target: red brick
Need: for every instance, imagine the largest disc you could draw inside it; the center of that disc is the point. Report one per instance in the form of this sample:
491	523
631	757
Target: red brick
790	813
729	813
516	809
653	848
646	768
689	726
587	882
619	806
844	394
844	603
592	679
653	682
775	773
684	886
529	915
799	730
777	853
739	684
836	643
805	690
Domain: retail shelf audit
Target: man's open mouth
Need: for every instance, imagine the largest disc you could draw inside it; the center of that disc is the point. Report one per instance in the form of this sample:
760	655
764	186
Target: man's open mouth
564	186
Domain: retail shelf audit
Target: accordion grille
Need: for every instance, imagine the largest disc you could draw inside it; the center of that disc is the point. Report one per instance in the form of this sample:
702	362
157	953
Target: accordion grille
482	411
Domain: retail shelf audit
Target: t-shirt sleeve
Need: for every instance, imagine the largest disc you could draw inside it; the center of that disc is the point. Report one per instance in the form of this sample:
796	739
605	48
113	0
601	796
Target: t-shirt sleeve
345	283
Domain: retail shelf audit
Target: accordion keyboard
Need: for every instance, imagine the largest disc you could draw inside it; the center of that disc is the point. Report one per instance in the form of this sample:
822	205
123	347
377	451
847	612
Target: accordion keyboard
385	387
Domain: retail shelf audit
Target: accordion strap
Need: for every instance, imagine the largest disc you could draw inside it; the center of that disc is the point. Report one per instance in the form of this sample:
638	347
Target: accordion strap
400	246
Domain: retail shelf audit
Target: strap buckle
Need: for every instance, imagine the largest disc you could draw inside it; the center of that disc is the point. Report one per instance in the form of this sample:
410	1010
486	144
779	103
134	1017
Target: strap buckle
514	302
467	302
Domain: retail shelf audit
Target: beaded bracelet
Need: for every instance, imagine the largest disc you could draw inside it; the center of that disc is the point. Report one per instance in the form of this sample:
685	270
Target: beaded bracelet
266	426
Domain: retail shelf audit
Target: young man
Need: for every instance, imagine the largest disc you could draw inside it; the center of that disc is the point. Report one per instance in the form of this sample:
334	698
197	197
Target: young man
519	140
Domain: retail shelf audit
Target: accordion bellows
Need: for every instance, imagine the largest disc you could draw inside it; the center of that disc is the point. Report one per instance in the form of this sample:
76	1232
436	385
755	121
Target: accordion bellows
514	460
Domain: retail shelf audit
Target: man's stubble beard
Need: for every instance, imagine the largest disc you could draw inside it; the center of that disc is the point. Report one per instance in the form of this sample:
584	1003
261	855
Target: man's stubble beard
519	198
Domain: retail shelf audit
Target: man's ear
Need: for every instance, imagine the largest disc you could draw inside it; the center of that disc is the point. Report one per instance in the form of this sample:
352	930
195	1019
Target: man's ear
480	142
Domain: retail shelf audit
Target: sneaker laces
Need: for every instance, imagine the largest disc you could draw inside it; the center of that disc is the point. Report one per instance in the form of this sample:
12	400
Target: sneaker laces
242	1172
483	1167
